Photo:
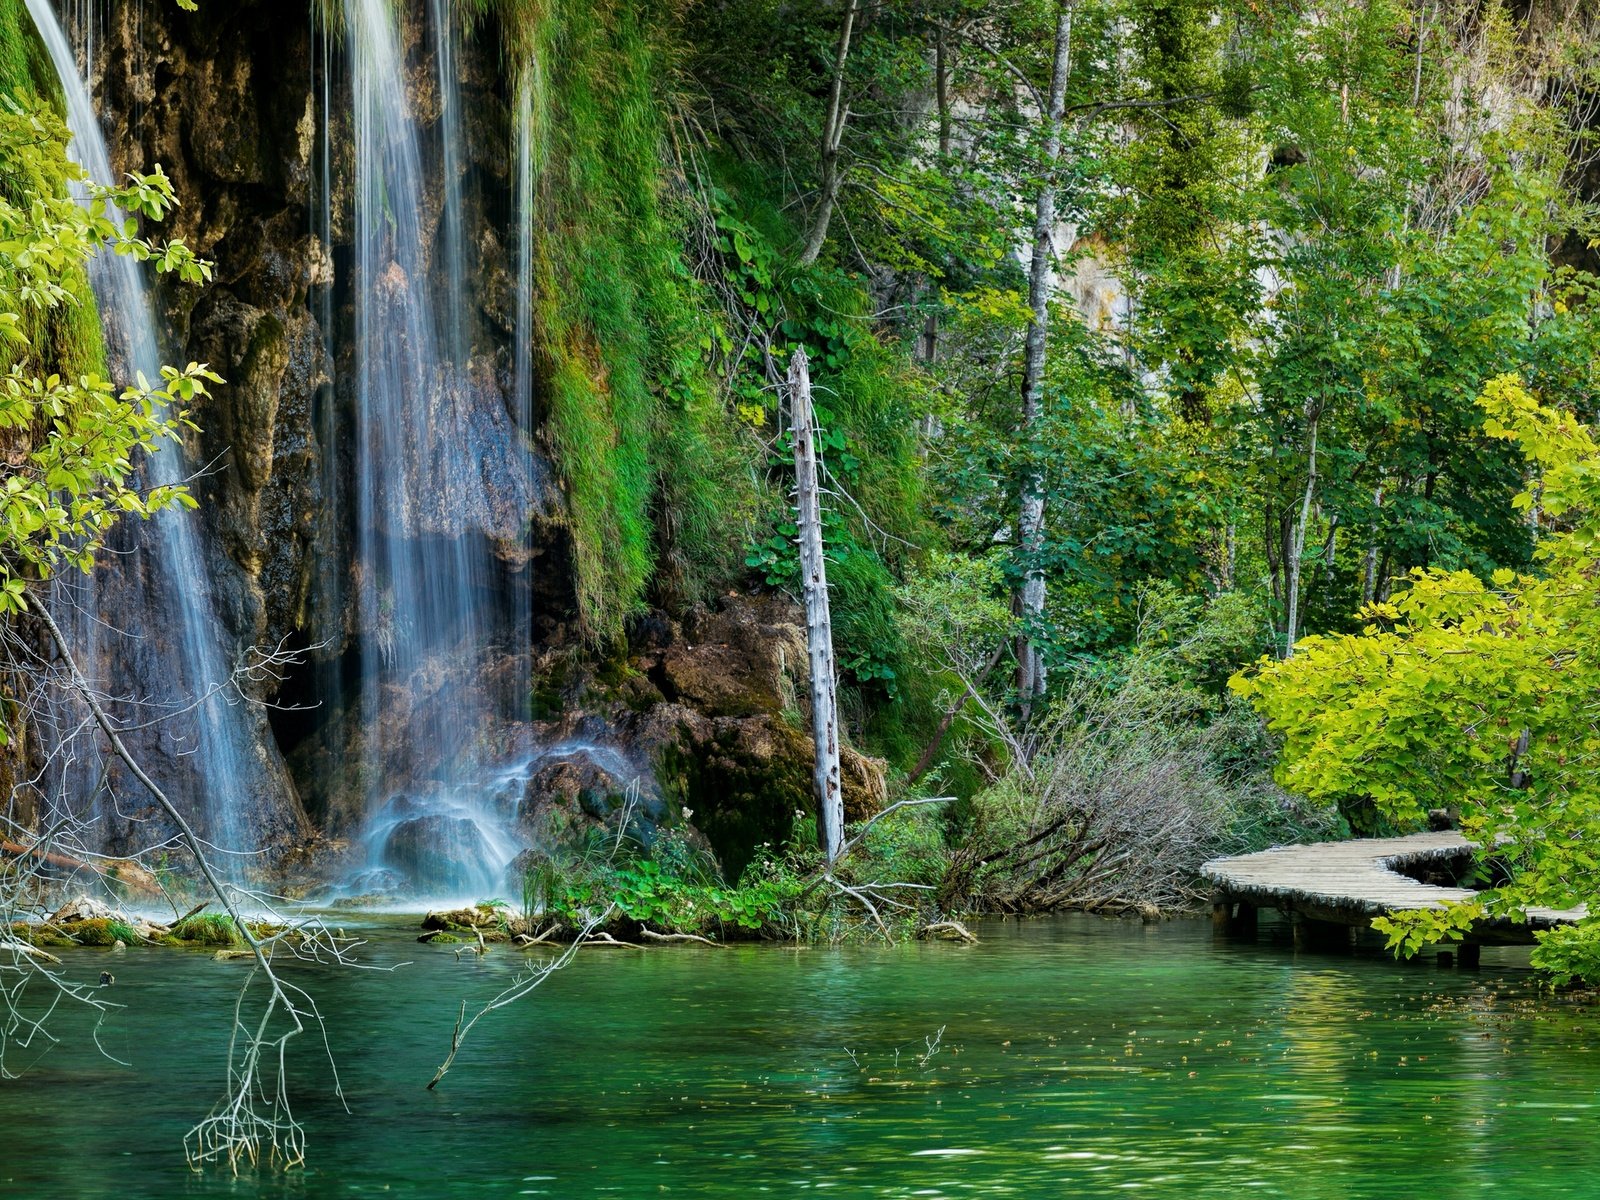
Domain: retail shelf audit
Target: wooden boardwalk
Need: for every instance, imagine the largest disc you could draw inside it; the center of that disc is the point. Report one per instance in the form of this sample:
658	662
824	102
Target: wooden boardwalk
1343	885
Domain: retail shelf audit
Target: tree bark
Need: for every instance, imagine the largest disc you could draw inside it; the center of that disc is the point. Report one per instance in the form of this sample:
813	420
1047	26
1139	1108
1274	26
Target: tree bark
819	621
941	84
1029	601
1369	570
832	138
1298	546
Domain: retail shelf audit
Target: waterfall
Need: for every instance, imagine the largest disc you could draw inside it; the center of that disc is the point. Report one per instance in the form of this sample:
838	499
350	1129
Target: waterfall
450	194
438	469
328	616
144	623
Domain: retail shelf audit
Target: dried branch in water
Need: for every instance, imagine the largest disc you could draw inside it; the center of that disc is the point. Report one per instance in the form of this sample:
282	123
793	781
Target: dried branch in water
523	986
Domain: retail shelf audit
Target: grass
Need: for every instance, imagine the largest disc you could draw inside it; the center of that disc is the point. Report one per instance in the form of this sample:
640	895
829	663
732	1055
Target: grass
646	449
207	929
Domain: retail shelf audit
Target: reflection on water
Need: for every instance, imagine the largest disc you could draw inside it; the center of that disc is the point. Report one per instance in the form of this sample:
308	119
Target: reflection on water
1078	1058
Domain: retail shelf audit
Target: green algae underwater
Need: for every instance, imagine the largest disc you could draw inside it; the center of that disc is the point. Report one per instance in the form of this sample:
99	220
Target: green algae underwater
1066	1057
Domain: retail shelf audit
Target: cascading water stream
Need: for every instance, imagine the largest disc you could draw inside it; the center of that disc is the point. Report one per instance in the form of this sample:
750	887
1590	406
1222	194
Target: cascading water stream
154	602
432	440
444	43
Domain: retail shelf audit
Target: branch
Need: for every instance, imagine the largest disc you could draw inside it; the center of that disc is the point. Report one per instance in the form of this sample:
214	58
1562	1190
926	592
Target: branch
521	987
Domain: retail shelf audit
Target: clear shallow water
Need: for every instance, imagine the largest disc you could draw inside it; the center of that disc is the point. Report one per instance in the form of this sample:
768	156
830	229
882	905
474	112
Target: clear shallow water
1079	1057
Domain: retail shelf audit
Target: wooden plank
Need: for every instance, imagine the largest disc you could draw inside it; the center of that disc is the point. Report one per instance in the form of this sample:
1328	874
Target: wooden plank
1352	882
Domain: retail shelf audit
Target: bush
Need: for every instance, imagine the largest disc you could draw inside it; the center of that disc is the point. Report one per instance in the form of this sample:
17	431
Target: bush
1569	953
1138	781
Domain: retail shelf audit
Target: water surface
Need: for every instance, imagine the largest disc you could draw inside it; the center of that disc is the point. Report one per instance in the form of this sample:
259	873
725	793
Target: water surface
1078	1057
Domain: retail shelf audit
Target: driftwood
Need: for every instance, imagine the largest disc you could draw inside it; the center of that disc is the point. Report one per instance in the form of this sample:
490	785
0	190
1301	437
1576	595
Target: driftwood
31	951
949	930
121	869
603	939
652	935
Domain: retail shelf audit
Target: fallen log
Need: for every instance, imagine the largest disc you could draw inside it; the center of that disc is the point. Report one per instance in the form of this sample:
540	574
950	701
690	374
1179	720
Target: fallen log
677	937
34	951
119	870
951	930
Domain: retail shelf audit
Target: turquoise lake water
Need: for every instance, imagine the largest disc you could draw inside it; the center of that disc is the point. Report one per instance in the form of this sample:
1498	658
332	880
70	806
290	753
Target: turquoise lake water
1079	1058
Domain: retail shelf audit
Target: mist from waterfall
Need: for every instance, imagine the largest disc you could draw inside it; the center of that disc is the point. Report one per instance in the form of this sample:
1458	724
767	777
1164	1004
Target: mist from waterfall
153	602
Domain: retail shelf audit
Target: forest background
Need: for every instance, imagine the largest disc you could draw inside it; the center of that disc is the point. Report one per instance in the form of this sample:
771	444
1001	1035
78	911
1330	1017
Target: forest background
1150	338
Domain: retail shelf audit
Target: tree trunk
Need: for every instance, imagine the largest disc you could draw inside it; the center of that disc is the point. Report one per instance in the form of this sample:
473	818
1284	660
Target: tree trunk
819	621
1029	601
1298	546
1369	571
941	84
832	137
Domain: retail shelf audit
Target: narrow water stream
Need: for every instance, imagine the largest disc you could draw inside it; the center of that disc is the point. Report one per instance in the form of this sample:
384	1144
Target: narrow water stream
1079	1057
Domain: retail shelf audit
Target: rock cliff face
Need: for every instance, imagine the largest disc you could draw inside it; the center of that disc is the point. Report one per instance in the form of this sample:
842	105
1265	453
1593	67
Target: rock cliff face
242	105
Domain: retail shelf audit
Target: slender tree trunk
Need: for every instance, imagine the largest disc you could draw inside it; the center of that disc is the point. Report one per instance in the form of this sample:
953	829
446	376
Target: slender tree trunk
1271	545
819	621
1030	525
832	138
941	86
928	343
1369	571
1298	546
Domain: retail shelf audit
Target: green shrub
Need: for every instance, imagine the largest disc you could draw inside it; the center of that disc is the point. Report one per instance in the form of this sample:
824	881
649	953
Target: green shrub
1569	953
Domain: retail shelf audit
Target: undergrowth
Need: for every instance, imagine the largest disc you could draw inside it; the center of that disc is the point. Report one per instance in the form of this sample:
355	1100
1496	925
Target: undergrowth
673	886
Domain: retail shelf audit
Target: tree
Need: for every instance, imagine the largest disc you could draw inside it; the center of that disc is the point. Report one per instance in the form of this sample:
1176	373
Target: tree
828	785
1030	518
1475	695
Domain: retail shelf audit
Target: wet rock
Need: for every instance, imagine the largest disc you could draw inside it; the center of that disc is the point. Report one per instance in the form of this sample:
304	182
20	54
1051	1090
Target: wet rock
740	659
444	852
479	920
732	744
576	788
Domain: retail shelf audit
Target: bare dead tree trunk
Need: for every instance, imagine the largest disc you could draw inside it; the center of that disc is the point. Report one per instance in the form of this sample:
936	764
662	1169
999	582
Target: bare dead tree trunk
819	621
1030	524
832	138
1297	546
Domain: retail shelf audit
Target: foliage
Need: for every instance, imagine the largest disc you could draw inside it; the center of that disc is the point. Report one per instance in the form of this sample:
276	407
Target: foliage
208	929
1569	954
654	467
1470	694
672	886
